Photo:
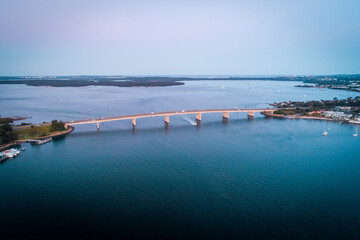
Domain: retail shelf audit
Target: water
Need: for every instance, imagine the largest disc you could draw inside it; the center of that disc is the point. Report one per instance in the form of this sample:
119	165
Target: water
245	179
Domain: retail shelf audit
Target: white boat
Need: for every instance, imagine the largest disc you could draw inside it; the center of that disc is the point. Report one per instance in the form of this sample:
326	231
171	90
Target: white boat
356	133
2	157
15	151
325	133
8	153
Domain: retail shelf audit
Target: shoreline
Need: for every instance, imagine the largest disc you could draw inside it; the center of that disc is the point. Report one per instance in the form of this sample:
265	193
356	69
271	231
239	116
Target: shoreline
309	118
71	128
55	134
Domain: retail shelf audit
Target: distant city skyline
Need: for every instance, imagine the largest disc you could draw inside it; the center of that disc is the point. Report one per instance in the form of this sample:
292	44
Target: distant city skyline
109	37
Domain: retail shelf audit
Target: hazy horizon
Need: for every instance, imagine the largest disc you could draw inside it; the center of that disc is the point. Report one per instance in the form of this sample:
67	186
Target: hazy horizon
211	38
185	75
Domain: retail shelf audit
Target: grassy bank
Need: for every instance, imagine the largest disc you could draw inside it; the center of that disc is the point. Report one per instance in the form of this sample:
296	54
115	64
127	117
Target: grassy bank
33	132
40	131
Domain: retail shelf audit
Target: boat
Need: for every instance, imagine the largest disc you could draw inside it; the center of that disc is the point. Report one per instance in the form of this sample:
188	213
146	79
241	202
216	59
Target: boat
325	133
15	151
356	133
2	157
8	153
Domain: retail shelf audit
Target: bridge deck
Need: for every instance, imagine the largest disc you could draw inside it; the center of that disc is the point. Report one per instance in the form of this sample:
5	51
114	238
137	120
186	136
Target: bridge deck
157	114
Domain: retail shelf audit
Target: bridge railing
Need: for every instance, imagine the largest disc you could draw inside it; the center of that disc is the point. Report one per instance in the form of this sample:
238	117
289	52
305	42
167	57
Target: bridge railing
198	113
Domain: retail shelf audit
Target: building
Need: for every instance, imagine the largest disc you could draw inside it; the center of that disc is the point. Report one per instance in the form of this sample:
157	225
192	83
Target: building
343	109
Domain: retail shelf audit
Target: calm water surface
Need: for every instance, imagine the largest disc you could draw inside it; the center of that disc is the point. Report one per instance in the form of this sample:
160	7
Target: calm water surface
245	179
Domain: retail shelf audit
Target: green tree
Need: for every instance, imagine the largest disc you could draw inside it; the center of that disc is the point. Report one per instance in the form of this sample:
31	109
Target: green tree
57	126
6	134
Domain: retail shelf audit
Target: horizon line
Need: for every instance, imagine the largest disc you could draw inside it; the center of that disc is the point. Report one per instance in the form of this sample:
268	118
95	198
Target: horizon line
185	75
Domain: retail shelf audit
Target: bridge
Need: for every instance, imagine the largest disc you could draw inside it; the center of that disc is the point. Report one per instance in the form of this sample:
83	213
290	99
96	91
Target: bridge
226	114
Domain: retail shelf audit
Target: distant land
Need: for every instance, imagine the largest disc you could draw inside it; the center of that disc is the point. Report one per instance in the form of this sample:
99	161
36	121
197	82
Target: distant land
159	81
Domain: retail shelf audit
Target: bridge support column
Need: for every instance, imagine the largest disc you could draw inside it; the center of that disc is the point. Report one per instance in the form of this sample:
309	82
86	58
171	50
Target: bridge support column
198	117
251	114
226	115
134	122
97	125
167	120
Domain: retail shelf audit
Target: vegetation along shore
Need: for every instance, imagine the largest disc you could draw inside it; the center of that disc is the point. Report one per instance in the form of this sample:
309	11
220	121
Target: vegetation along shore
344	110
349	82
10	136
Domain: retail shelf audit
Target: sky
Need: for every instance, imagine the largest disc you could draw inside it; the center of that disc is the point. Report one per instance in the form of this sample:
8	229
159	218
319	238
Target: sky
144	37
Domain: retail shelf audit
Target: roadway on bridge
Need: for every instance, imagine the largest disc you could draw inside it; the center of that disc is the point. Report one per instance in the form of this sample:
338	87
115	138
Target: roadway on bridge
250	111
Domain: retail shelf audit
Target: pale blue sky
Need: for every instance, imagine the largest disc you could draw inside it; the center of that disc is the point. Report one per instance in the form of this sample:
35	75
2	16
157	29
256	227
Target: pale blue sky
228	37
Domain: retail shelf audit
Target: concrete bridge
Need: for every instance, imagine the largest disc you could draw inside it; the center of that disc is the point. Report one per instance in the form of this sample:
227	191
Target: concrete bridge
166	115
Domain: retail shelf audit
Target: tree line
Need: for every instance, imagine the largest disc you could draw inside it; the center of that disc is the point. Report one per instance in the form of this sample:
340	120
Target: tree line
8	134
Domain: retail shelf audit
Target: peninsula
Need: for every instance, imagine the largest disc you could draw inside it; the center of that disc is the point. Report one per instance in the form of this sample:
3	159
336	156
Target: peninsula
13	135
341	110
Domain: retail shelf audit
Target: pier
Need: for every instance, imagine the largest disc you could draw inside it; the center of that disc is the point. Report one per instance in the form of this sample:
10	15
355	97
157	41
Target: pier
198	115
39	141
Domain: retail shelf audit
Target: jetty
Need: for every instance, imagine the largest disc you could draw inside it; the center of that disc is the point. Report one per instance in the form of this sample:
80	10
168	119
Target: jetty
39	141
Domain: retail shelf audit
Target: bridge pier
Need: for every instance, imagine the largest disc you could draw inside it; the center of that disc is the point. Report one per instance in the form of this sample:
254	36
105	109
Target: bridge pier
198	117
134	122
167	120
97	125
226	115
251	114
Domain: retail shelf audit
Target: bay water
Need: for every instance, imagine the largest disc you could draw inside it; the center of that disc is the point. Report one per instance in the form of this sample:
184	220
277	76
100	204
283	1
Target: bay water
242	179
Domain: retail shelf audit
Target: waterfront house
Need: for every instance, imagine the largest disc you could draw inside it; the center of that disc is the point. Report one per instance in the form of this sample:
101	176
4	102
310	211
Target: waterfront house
343	109
315	113
334	114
